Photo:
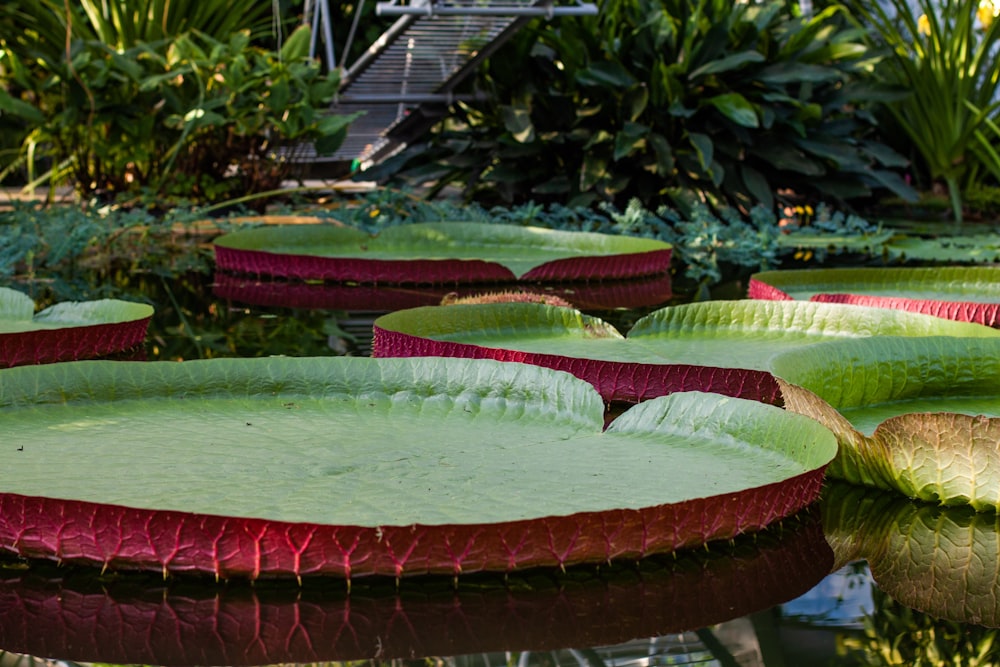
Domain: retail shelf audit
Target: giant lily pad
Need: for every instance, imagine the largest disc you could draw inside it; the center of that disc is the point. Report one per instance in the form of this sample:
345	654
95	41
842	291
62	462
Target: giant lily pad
142	620
919	416
719	346
69	330
353	466
942	561
431	253
968	294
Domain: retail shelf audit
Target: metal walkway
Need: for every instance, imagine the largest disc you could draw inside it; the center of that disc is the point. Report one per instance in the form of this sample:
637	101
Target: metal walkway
406	79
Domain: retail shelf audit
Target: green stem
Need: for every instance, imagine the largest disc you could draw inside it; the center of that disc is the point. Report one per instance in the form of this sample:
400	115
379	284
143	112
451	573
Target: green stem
955	195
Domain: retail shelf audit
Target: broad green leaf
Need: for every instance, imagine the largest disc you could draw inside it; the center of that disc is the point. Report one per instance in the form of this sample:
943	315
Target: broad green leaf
517	249
374	443
736	108
952	283
920	416
727	63
728	337
604	73
19	108
796	73
296	47
17	313
517	120
631	137
757	185
942	561
970	294
961	248
704	149
593	169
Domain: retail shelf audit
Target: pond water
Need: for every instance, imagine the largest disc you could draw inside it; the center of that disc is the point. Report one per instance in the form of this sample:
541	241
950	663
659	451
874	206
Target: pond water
860	578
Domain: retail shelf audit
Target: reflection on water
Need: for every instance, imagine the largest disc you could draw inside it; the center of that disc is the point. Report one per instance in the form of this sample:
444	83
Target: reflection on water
780	598
80	615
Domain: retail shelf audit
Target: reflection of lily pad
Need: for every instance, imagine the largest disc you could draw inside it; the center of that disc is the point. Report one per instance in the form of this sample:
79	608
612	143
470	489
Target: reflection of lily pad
341	466
969	294
70	330
146	621
942	561
920	416
718	346
431	253
593	295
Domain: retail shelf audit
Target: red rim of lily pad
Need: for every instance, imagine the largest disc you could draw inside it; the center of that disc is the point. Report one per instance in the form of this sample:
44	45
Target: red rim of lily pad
453	252
70	330
204	396
770	284
150	622
600	295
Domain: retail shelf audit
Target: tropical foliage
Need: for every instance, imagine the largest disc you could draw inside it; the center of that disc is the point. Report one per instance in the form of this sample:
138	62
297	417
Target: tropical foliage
118	115
942	55
651	96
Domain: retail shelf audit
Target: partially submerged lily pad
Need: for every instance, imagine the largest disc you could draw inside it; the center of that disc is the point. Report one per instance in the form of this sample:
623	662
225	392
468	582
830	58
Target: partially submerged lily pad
920	416
968	294
942	561
353	466
69	330
434	253
145	621
719	346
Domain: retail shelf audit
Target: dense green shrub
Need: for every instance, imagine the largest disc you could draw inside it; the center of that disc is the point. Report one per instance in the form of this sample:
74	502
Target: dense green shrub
127	98
651	96
189	116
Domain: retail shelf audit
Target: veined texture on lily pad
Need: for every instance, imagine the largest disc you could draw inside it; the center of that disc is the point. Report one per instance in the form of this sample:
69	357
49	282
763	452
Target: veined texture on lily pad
963	293
942	561
919	416
357	466
69	330
146	621
719	346
439	252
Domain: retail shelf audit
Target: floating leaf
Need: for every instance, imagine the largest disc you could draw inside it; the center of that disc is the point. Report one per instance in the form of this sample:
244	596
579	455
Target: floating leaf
920	416
719	346
352	466
69	330
968	294
439	253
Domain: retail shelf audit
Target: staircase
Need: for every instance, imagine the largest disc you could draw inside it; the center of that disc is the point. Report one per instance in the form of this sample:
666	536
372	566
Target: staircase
406	79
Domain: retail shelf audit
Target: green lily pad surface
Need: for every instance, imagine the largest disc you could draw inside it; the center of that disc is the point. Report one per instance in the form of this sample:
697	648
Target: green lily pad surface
720	346
431	253
349	466
66	331
918	416
969	294
942	561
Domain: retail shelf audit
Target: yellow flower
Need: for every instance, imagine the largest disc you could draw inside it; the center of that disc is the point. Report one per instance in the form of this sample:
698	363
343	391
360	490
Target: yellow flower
987	12
924	25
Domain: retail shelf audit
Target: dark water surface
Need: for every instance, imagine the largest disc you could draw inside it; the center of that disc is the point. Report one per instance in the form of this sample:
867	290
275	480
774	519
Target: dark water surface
800	593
